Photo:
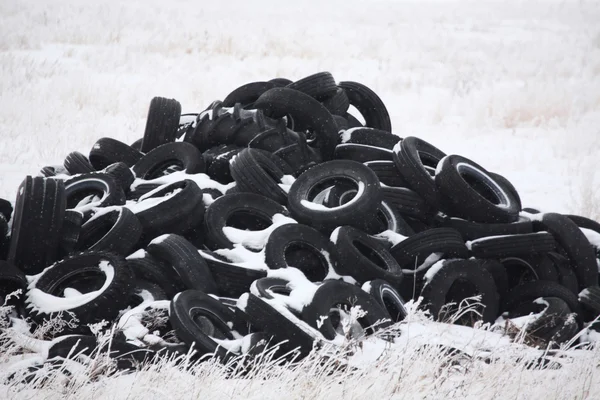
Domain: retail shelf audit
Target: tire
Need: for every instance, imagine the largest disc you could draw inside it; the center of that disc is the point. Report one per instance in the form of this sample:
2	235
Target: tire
365	203
11	280
530	291
586	223
338	103
302	247
256	171
590	300
299	156
39	213
162	123
416	161
498	272
137	145
6	209
318	86
407	202
217	160
361	153
334	293
247	94
150	269
535	267
365	258
414	250
281	82
441	279
231	280
470	192
53	170
76	163
69	233
254	212
81	272
122	175
389	220
304	110
180	210
566	275
553	314
199	319
184	258
98	185
116	231
289	335
388	298
107	151
368	104
180	154
576	245
513	245
387	173
370	137
505	183
474	230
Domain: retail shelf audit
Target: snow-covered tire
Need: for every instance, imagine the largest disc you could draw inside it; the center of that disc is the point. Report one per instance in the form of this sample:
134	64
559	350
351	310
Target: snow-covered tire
364	258
162	123
191	269
371	137
150	269
467	190
590	300
513	245
107	151
414	250
441	278
358	212
302	247
122	175
91	186
530	291
116	231
99	299
37	223
180	154
387	297
361	153
337	293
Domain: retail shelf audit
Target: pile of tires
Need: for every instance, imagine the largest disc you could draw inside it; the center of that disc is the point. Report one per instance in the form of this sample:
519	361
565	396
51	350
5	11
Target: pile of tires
276	217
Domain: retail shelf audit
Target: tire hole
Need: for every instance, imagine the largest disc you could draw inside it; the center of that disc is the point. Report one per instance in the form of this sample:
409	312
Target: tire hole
371	254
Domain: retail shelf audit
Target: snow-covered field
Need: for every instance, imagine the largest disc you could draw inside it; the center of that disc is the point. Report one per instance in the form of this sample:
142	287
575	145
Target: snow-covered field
514	85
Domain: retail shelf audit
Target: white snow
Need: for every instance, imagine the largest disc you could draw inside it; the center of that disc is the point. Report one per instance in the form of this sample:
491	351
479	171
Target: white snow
428	262
391	236
434	269
160	239
256	239
592	236
334	235
319	207
202	180
241	257
42	302
141	253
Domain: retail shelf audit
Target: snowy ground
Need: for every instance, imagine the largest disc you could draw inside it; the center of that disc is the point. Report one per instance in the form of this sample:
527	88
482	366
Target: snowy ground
514	85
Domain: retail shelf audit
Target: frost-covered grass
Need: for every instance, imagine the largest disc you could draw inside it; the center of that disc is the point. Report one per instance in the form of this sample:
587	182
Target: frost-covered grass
514	85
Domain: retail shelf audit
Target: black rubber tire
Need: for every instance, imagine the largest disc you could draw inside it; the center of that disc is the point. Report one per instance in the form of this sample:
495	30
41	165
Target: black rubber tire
299	156
6	209
530	291
184	258
198	319
98	184
11	280
505	183
412	155
412	251
498	272
80	272
324	219
305	110
474	230
286	333
584	222
76	163
387	173
266	287
257	171
575	244
281	82
371	137
232	280
333	293
37	223
565	273
217	161
247	94
553	313
338	103
301	247
528	268
258	209
468	191
407	202
151	269
179	213
319	86
361	153
116	231
513	245
3	232
365	258
368	104
389	219
122	175
69	233
590	300
137	145
440	283
162	123
107	151
388	298
53	170
180	154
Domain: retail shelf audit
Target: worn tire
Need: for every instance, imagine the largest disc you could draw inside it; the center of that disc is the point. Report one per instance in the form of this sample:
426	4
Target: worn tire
162	123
